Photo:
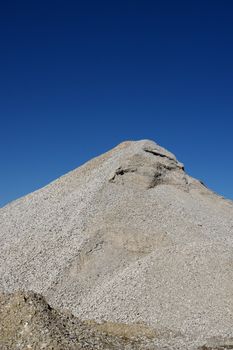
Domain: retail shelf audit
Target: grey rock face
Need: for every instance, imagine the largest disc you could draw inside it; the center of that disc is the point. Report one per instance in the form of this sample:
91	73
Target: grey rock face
128	237
146	171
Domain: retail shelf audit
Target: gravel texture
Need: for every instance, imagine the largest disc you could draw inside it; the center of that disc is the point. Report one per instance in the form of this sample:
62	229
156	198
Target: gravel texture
128	237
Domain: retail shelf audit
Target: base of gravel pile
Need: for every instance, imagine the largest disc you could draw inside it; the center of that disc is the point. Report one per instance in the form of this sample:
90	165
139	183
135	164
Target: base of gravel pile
28	322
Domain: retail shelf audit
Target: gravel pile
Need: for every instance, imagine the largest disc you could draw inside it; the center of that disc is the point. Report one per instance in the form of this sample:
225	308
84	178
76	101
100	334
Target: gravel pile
128	238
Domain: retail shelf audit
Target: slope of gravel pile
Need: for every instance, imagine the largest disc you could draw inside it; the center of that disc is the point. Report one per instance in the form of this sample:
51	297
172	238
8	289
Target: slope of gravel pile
128	237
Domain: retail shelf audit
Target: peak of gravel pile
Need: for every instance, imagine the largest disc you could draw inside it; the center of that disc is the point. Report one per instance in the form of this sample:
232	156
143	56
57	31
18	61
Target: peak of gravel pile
128	238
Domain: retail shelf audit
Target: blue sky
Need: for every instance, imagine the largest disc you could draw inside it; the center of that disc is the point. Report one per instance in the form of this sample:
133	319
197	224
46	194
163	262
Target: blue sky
79	77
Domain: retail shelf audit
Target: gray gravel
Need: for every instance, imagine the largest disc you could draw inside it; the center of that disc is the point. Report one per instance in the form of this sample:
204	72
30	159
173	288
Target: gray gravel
128	237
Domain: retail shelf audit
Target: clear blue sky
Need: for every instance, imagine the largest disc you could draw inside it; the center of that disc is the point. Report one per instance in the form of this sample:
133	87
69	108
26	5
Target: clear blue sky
79	77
